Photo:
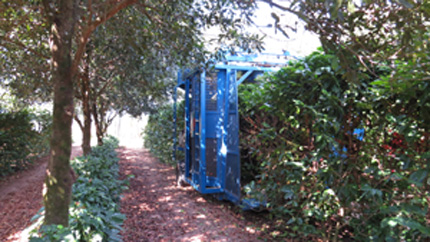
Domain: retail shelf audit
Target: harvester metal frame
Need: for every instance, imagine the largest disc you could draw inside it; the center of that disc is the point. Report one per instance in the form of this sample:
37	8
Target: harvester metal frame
212	154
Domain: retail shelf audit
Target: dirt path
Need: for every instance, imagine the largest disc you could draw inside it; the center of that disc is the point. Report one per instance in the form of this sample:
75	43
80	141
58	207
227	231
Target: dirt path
21	198
158	210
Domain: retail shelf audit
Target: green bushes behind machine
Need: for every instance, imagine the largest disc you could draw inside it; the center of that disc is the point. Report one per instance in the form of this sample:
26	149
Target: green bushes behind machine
322	177
158	133
334	159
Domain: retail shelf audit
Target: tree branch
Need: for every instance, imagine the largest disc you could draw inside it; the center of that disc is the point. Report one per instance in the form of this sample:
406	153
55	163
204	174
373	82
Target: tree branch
75	117
83	39
107	83
23	46
151	18
271	3
49	10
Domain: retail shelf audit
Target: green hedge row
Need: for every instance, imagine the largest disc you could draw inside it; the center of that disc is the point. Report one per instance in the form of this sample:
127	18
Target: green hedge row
338	160
94	211
24	136
334	160
158	133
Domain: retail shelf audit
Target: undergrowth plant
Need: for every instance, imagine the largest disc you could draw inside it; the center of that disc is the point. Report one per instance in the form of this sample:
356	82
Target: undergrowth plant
158	133
94	211
340	160
24	136
333	159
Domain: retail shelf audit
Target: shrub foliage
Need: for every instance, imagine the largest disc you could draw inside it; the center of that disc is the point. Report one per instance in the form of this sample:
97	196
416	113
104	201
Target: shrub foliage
24	135
339	159
334	159
94	212
158	133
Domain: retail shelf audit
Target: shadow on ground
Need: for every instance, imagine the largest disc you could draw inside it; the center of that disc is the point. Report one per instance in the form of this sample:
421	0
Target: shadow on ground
158	210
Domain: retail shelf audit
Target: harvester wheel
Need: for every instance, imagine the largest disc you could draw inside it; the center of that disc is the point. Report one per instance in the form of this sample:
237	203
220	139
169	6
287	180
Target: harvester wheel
180	174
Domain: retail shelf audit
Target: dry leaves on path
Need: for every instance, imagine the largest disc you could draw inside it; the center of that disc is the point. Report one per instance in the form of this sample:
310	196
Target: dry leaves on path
21	198
158	210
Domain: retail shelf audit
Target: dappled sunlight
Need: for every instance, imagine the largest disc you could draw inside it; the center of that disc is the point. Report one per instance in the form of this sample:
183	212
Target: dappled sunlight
144	207
21	198
158	210
164	198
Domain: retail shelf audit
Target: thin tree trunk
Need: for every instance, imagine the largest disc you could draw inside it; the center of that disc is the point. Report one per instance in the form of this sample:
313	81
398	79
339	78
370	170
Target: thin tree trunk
86	137
58	182
98	124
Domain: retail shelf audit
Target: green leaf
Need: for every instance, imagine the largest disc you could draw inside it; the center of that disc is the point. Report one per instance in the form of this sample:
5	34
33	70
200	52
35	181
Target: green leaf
335	63
413	209
413	224
418	177
379	82
351	6
335	8
406	3
371	191
38	214
288	193
34	239
407	222
296	164
118	217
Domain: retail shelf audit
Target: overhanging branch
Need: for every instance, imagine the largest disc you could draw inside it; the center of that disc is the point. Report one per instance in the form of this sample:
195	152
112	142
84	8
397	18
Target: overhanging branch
23	46
86	33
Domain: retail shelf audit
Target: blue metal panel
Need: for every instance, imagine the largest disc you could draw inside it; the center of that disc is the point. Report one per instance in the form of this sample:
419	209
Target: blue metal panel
232	175
221	130
202	170
195	119
225	110
211	123
212	114
247	68
187	129
261	59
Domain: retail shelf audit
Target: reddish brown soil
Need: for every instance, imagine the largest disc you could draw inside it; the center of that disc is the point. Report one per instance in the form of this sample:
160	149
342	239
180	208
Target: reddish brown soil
21	198
156	209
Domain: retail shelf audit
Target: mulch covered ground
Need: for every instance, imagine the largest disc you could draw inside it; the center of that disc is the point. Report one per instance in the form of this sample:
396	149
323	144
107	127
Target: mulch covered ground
21	198
156	209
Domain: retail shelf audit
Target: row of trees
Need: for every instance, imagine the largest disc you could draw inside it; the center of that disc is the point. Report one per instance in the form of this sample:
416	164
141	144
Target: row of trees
62	50
103	55
113	72
372	33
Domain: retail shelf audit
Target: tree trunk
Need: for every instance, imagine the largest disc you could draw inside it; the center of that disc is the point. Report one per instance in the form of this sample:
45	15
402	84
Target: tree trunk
58	182
98	124
101	120
86	136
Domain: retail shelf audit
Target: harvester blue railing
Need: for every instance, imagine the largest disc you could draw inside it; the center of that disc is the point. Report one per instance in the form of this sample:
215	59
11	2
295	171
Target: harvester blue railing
212	155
